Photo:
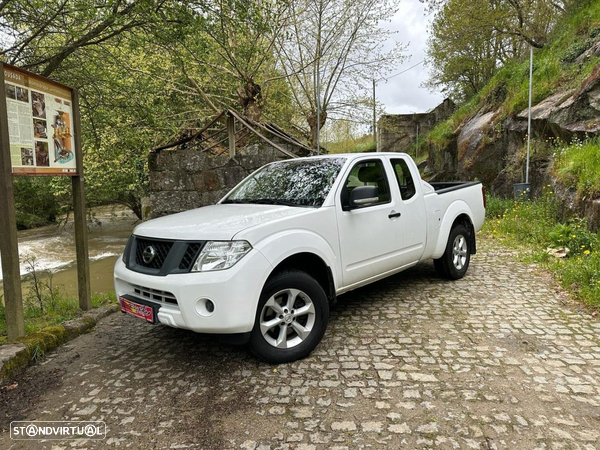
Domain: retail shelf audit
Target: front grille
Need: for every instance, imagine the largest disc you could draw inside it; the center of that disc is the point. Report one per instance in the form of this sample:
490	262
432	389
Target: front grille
170	257
155	294
161	249
190	256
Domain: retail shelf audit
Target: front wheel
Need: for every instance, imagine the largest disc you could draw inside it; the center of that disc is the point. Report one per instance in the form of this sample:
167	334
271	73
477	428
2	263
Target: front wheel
455	261
291	318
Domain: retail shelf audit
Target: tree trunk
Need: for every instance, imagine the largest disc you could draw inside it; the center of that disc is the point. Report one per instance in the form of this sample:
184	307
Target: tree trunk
312	123
250	98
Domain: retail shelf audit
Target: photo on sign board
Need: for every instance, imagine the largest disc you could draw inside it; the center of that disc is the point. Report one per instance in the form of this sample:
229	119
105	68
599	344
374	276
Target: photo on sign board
63	153
40	129
26	156
22	94
11	91
42	157
38	105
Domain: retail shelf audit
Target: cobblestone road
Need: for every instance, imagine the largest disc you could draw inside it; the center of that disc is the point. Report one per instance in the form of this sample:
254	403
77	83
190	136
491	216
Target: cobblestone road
500	359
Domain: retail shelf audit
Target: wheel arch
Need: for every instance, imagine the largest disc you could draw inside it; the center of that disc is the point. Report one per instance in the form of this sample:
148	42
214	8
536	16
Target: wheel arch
457	213
466	221
313	265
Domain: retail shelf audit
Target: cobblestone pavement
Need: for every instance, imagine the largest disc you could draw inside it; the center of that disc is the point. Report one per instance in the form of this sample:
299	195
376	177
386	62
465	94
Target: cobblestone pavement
500	359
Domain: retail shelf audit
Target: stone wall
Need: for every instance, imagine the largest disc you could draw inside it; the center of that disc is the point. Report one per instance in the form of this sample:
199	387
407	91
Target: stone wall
398	132
187	177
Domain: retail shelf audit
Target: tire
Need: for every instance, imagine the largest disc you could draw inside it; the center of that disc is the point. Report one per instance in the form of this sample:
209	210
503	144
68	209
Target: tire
456	258
291	318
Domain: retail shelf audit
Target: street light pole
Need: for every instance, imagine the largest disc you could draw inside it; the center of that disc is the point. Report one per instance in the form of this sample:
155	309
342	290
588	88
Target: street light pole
529	113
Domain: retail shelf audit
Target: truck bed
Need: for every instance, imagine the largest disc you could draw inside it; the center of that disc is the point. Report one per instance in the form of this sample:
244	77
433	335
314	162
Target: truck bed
444	187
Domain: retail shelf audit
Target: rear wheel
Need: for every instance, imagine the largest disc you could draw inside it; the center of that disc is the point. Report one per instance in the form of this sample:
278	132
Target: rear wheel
455	261
291	319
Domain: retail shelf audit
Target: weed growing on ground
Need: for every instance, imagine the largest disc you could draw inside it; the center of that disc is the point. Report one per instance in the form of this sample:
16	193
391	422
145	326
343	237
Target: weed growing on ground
533	226
577	165
63	308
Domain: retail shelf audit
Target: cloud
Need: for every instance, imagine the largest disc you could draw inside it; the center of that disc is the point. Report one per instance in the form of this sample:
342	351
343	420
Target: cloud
404	93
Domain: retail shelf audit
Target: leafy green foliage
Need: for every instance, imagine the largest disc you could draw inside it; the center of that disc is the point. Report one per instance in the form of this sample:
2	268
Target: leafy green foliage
347	143
508	89
578	166
471	39
35	203
146	70
575	236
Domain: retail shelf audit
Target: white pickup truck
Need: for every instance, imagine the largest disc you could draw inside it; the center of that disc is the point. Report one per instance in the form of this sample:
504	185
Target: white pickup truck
266	261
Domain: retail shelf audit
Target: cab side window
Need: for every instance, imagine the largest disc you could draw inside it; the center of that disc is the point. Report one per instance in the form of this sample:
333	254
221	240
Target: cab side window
367	173
404	178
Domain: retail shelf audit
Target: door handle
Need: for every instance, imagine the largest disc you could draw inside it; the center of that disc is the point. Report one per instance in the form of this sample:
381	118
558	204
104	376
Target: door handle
394	214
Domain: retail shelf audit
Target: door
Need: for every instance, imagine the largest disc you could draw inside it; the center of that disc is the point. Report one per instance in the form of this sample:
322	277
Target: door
370	238
412	206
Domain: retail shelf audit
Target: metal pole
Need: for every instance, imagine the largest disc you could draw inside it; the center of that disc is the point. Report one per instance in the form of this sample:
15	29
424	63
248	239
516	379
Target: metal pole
529	113
9	246
374	117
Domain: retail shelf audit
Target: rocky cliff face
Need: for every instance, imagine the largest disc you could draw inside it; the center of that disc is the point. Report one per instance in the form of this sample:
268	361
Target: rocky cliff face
492	148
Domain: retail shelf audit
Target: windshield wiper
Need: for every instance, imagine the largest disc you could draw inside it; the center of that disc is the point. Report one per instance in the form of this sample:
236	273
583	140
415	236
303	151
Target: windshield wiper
271	201
236	201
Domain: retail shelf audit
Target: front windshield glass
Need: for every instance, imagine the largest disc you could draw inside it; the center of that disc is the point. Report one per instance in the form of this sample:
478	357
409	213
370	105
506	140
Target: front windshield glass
295	183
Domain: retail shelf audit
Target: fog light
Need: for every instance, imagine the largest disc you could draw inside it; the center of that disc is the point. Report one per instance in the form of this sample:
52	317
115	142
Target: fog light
210	306
204	307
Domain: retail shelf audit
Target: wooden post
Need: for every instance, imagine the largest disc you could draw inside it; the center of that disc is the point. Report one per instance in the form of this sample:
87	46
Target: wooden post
9	246
81	231
231	133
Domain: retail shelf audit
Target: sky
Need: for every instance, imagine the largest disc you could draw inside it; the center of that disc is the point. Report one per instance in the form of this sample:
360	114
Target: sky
404	93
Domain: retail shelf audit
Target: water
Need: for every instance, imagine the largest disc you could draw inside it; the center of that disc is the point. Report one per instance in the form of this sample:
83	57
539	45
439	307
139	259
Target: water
53	248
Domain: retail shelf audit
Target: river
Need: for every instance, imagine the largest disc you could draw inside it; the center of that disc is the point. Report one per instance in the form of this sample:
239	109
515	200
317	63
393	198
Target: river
53	248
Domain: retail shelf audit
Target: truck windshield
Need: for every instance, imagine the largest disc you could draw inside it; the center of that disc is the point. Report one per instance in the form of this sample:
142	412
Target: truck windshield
294	183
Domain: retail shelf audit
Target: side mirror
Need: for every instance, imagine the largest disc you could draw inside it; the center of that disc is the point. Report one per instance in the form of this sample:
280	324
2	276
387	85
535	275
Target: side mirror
364	196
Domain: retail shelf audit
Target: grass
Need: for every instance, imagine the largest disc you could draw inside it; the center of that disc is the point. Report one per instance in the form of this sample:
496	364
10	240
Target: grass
358	145
554	71
578	166
533	226
61	309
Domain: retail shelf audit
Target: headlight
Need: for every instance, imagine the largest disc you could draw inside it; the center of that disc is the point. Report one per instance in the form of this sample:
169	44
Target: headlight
219	255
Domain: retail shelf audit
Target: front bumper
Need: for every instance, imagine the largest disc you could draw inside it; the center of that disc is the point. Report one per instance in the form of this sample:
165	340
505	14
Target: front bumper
234	292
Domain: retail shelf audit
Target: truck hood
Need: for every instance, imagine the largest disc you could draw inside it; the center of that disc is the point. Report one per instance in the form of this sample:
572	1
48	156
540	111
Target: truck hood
216	222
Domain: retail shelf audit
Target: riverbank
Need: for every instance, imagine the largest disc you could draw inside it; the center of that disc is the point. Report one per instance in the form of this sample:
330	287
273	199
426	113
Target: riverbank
50	297
52	248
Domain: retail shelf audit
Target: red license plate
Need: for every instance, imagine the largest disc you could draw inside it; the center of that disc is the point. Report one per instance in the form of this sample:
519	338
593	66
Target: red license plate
136	309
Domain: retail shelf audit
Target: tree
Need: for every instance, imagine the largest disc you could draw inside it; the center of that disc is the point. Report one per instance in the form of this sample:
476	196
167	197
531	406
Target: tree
335	45
146	71
471	39
225	53
39	35
102	47
462	55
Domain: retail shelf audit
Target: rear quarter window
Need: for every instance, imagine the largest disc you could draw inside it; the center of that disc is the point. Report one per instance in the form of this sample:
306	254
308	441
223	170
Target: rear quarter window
404	179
